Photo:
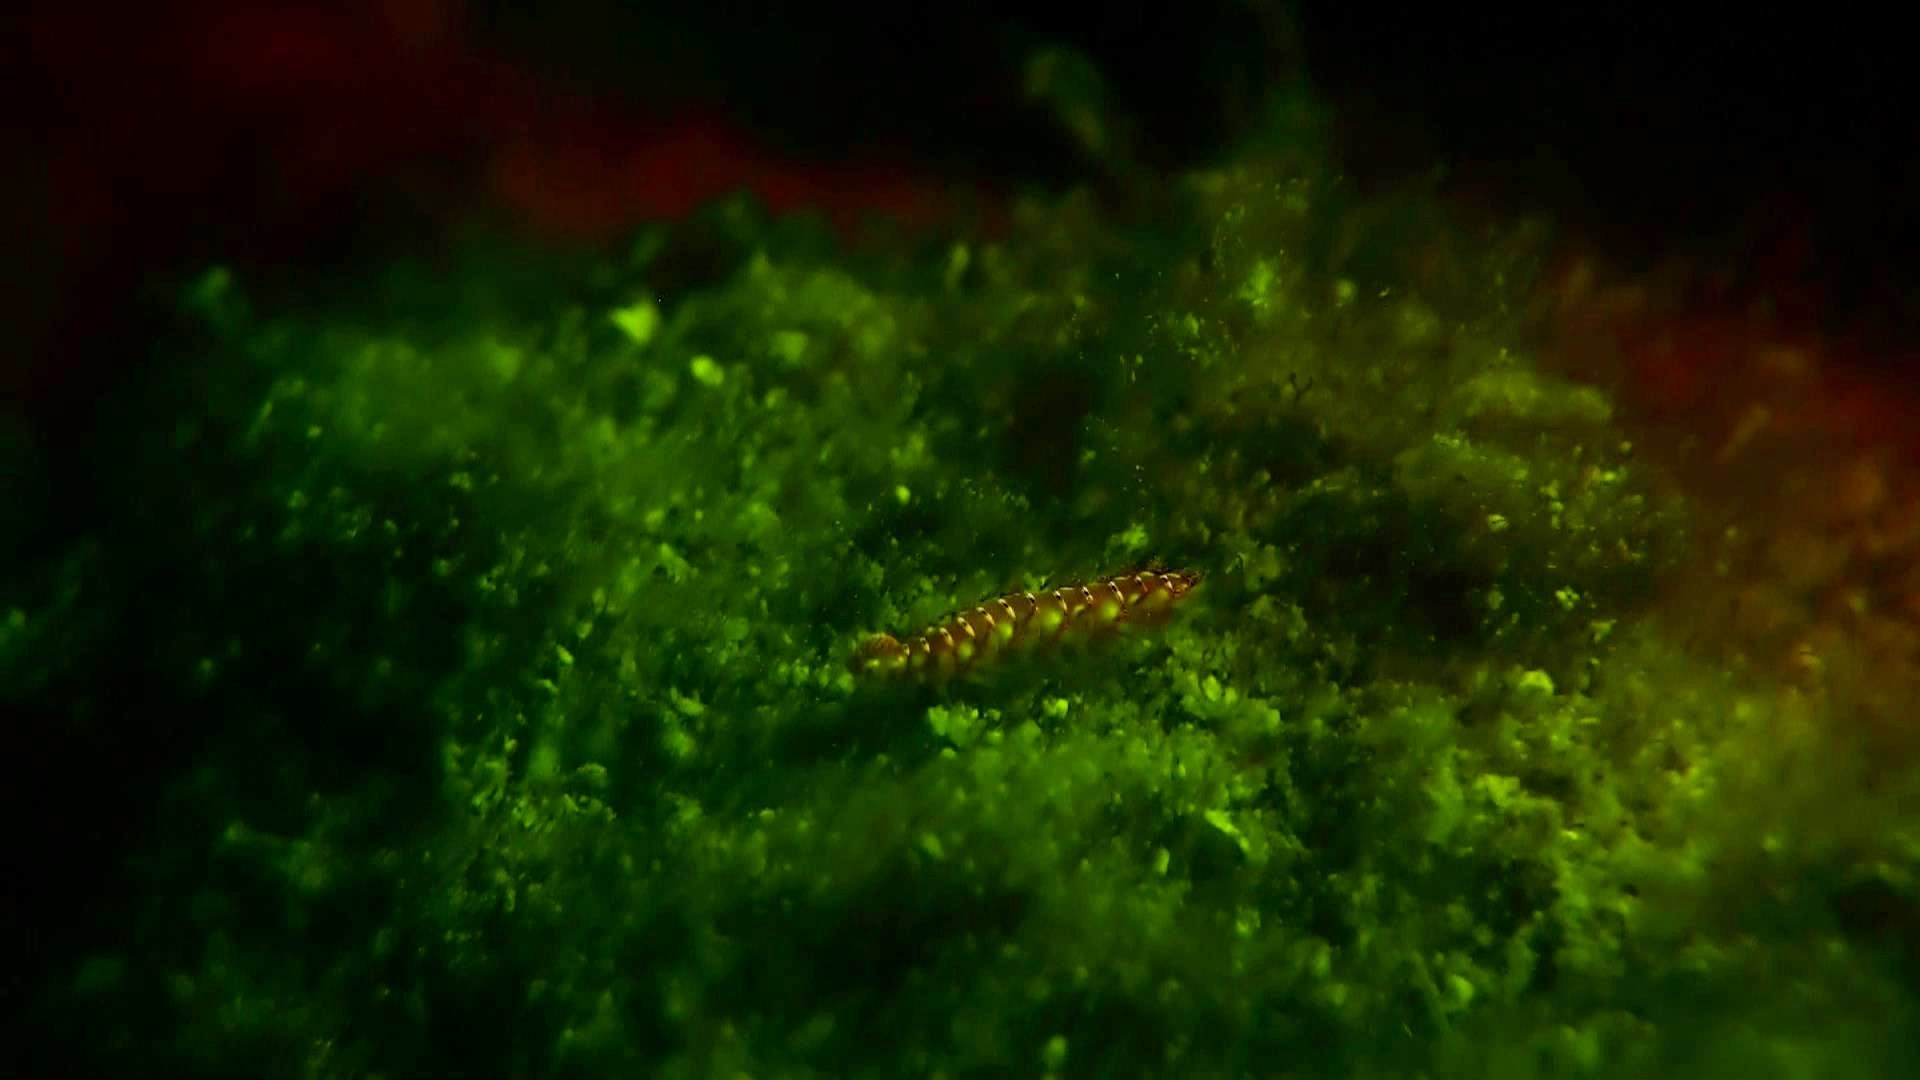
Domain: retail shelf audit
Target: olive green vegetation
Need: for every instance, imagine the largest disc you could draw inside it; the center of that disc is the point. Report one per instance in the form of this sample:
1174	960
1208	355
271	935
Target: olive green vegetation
512	609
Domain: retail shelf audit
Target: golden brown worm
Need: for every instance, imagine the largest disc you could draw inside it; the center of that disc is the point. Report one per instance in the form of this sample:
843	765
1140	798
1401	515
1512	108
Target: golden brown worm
963	640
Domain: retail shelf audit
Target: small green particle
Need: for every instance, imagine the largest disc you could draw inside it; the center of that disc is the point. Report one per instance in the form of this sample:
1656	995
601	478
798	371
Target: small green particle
706	371
957	261
1534	682
1569	599
789	347
100	973
504	359
930	845
1461	990
675	567
685	705
1322	963
544	762
566	658
1054	1054
1259	286
1497	523
1162	859
1344	291
1417	323
957	725
212	287
677	743
1221	820
1581	1048
1056	707
902	494
639	321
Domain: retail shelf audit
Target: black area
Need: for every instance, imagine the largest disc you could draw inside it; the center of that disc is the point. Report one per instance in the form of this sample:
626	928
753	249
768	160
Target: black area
1654	128
190	563
1647	130
1874	913
1650	126
944	83
1390	570
797	952
1044	433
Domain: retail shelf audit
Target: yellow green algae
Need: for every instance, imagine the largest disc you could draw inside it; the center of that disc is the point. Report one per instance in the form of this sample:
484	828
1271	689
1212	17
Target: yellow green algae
512	627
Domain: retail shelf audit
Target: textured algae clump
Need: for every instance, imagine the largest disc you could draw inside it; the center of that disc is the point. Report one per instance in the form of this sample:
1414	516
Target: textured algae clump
540	616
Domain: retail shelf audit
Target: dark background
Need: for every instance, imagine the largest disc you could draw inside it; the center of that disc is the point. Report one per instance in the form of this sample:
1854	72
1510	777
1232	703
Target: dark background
302	138
303	142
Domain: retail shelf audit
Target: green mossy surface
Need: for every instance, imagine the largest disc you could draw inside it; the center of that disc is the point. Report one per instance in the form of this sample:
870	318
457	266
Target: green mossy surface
511	612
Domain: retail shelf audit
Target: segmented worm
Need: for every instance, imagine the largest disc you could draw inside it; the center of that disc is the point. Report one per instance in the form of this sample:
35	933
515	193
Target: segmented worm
962	641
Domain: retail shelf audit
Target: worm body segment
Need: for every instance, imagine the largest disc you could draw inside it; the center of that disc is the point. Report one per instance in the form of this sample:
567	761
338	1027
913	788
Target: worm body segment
964	640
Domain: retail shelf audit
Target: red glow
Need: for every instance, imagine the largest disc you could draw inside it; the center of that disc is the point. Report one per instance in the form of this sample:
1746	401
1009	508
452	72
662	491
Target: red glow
174	134
312	101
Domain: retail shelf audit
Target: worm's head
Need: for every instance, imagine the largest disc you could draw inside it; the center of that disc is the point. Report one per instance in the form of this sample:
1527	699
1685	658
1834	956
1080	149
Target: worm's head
881	654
